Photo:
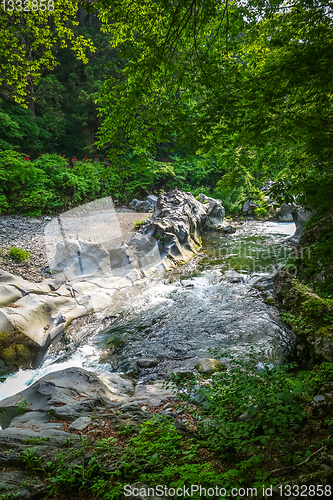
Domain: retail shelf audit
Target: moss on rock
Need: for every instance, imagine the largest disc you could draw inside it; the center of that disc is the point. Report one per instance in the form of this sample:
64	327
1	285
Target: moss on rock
309	315
17	351
315	253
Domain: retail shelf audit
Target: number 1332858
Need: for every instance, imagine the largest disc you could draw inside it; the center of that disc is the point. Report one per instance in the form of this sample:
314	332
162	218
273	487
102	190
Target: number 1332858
27	5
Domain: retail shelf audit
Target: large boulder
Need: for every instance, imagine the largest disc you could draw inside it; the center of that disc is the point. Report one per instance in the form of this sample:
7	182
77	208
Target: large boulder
300	217
177	223
144	206
249	207
63	387
214	210
284	213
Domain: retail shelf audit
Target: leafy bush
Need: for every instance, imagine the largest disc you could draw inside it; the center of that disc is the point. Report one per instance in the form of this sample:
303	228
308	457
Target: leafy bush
22	184
247	413
232	201
18	254
262	209
320	374
46	184
269	398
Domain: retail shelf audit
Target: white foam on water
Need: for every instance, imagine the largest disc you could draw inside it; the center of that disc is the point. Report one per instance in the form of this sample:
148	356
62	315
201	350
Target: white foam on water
87	356
286	228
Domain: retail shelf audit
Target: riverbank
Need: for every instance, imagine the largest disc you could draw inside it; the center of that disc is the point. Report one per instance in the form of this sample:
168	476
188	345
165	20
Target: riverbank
266	430
27	233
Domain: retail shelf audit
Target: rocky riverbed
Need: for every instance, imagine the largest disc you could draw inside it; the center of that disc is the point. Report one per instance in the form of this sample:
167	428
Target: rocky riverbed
220	298
107	371
29	234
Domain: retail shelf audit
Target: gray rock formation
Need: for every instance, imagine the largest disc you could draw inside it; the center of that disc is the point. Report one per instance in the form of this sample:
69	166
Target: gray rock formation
152	394
322	403
284	213
15	483
42	310
215	212
209	365
229	229
249	207
177	223
37	418
144	206
300	217
322	346
64	387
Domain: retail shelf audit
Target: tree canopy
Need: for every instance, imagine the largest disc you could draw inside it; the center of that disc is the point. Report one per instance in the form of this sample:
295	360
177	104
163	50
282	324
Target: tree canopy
27	40
246	85
250	82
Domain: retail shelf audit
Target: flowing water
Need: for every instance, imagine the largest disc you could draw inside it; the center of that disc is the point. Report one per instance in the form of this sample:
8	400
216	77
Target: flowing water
175	320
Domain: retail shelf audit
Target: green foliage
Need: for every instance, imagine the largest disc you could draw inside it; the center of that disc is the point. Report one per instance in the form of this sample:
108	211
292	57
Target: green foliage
309	313
31	458
269	398
139	223
26	43
128	430
158	455
320	374
62	116
247	86
262	210
18	254
40	440
46	184
22	407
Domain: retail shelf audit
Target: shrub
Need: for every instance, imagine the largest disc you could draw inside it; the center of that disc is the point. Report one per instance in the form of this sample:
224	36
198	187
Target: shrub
46	184
320	374
247	413
18	254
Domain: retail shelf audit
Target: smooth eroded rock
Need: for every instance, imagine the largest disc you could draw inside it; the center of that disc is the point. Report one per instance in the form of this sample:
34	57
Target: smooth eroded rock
215	212
80	424
209	365
147	363
67	386
177	223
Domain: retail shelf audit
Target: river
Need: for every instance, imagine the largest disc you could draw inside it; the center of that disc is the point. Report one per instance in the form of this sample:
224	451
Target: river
176	319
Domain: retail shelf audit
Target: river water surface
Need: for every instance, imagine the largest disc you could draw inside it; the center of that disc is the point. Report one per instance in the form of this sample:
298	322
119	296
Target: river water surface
176	319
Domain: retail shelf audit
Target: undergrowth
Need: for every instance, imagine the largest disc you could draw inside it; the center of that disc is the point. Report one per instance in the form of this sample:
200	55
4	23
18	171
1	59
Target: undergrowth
247	434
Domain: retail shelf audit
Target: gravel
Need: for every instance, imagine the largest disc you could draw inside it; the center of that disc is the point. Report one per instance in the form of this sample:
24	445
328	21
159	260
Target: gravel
28	233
